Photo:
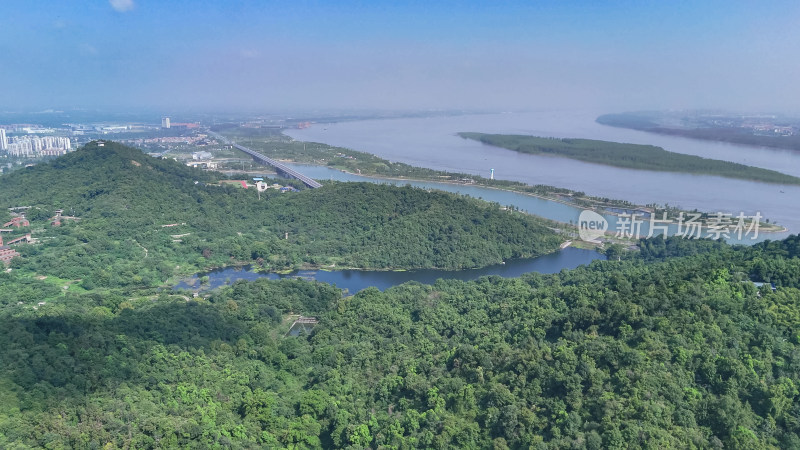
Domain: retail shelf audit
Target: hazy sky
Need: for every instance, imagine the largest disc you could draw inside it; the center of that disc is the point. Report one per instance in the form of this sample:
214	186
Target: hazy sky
262	55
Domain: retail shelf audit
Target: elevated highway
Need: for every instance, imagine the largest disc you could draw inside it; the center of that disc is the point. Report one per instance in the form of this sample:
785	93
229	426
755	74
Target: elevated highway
279	166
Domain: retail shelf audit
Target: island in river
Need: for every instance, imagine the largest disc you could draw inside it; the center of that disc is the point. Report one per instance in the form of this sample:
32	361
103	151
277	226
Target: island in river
275	144
630	156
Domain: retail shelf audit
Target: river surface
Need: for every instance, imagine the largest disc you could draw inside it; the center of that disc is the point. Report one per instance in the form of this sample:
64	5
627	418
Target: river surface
432	142
357	280
530	204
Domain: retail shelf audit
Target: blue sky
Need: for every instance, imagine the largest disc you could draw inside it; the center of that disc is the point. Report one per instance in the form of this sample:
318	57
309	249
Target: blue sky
270	56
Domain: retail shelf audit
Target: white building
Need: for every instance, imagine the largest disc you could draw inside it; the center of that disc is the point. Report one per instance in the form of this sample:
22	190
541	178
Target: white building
3	140
197	156
165	122
38	146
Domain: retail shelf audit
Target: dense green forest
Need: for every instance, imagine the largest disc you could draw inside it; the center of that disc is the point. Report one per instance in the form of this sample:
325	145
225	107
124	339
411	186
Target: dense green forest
673	348
124	198
630	156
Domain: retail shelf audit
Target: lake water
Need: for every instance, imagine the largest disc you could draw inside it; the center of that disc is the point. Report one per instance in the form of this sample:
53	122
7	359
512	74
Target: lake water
432	142
356	280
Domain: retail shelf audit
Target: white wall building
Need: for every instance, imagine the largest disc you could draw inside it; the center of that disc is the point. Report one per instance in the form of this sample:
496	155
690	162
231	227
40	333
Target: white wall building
38	146
201	155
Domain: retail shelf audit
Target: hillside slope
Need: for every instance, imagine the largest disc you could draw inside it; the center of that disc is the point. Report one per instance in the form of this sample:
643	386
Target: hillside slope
124	197
663	351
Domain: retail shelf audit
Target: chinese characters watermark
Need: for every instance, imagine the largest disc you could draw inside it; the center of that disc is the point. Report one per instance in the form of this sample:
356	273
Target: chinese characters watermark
592	226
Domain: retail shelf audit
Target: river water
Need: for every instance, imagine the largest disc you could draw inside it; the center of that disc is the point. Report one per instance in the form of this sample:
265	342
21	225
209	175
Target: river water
548	209
356	280
432	142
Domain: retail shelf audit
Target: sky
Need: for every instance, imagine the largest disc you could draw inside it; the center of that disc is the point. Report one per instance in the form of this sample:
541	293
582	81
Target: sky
267	56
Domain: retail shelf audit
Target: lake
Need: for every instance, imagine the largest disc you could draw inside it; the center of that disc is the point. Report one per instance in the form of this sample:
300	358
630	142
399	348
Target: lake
432	142
357	280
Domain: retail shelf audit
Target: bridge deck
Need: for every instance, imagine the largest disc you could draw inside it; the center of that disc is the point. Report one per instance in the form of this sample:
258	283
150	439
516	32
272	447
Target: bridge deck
308	181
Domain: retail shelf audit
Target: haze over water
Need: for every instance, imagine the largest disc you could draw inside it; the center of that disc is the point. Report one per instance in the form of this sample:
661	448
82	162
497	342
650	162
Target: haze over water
267	57
432	142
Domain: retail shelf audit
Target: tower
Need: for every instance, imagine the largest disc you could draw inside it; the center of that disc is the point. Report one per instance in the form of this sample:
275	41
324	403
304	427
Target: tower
491	174
3	140
165	122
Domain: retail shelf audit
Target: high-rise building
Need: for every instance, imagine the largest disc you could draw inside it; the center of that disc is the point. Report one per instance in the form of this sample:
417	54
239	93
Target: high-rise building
38	146
165	122
3	140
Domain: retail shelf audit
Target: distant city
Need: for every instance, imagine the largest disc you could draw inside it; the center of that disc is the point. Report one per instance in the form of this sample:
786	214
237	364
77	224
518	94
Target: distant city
23	143
28	146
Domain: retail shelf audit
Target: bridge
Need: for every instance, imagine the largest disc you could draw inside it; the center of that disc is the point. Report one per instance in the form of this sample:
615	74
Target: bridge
279	166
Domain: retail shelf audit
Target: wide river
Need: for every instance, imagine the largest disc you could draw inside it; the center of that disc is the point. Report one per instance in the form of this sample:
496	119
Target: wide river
432	142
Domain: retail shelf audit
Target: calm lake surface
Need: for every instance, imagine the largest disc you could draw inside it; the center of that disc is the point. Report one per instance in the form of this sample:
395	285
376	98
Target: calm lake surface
432	142
356	280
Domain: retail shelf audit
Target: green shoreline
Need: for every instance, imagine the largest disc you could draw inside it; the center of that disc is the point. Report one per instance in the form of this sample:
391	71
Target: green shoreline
769	228
630	156
279	146
187	277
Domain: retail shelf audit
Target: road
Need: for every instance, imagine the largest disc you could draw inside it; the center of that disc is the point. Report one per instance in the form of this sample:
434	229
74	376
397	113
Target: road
279	166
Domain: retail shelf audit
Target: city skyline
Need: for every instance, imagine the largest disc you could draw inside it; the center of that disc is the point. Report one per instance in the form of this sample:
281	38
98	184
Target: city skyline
269	56
27	146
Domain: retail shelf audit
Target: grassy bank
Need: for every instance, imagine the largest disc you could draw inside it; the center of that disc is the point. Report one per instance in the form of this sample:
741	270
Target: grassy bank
630	156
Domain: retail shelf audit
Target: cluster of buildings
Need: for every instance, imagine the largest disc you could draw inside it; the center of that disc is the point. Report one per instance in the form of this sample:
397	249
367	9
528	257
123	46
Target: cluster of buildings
34	145
27	128
196	140
202	155
6	253
769	130
202	160
166	123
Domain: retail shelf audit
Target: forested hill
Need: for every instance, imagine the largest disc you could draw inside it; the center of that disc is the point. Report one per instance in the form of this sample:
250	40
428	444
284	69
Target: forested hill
673	347
119	184
124	198
100	170
677	349
630	156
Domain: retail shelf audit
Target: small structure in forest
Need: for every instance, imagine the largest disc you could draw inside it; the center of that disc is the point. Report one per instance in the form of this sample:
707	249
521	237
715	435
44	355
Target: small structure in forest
6	253
302	325
60	217
18	222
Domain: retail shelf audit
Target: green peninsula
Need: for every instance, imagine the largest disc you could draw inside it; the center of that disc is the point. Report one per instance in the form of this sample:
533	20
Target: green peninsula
630	156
